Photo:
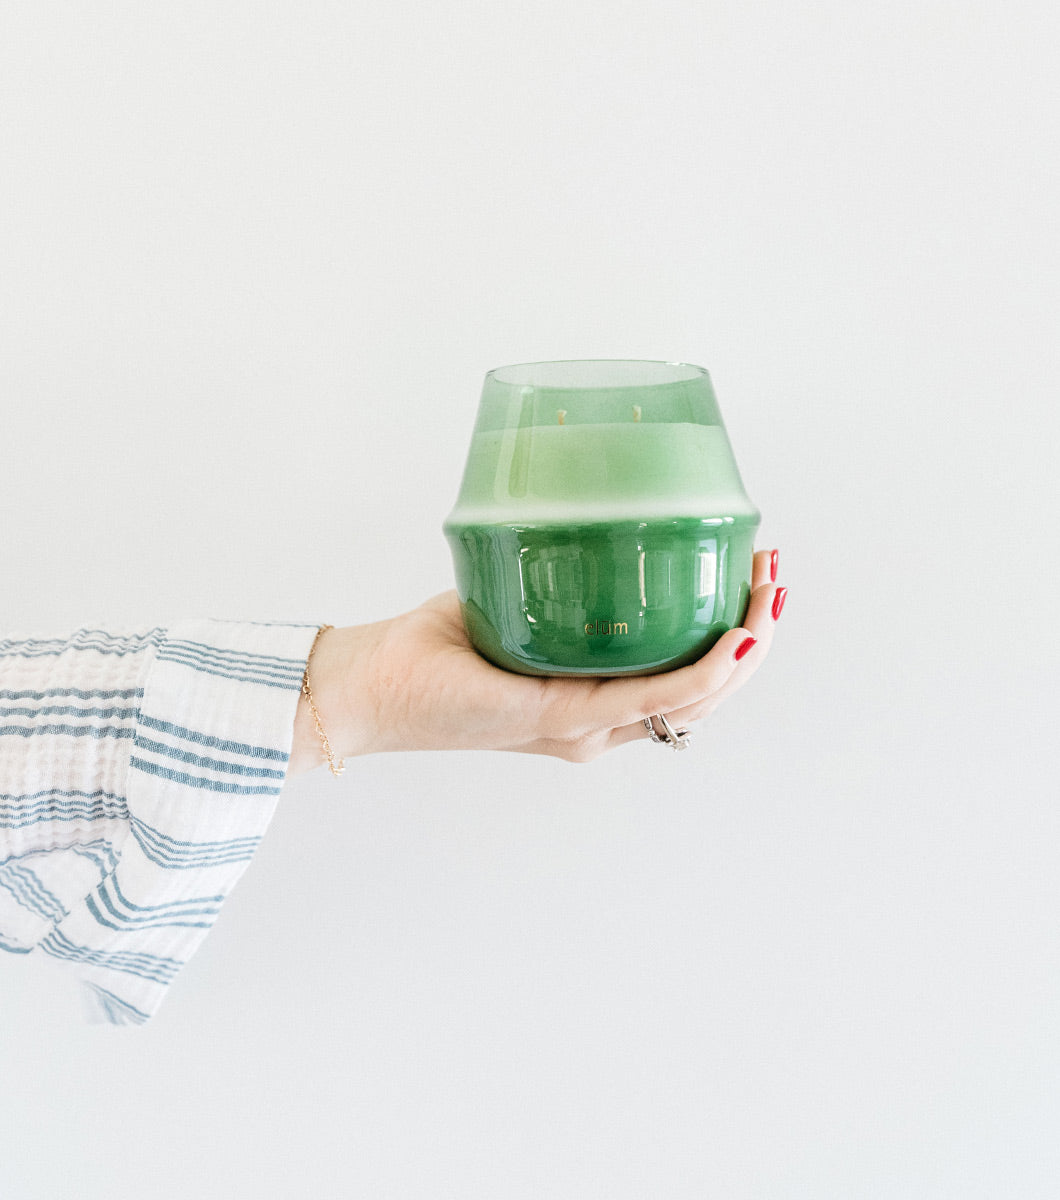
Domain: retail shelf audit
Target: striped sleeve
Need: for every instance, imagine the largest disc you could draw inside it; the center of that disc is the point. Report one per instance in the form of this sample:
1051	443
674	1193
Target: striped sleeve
138	774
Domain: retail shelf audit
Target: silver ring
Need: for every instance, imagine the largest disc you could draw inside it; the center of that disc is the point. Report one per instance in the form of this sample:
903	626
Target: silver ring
677	739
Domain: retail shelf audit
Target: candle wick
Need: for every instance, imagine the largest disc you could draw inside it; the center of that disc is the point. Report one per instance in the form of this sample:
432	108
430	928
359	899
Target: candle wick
561	414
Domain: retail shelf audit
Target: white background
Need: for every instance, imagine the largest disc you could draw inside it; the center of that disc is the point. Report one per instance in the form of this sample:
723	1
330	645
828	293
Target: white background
254	261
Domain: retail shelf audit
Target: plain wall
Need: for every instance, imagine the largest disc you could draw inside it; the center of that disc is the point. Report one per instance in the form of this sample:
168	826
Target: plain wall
254	261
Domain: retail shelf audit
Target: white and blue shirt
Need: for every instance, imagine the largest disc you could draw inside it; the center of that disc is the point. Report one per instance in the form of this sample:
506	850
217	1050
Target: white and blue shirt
138	774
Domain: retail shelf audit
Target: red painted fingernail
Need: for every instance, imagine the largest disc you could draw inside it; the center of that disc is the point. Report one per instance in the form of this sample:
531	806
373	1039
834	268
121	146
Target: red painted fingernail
778	602
743	647
774	558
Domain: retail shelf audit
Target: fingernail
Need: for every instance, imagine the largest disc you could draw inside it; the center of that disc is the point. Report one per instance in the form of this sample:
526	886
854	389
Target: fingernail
743	647
778	602
774	558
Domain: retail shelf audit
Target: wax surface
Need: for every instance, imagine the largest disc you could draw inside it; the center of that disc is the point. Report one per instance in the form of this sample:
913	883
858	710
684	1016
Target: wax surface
600	472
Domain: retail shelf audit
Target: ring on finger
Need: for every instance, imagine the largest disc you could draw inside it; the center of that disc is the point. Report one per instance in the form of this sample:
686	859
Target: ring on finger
676	739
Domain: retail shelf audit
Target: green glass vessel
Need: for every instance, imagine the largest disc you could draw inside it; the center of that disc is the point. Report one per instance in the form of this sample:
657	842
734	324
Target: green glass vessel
601	527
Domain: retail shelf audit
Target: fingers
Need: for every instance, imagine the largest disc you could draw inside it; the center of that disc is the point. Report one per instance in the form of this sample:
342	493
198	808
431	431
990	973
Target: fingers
763	612
764	568
618	702
629	733
690	693
760	626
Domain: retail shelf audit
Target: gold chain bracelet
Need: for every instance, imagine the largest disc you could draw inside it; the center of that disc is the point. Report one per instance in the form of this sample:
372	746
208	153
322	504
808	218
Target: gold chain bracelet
336	768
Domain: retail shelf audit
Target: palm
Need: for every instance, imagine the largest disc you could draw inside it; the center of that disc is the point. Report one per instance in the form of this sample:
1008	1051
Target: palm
461	699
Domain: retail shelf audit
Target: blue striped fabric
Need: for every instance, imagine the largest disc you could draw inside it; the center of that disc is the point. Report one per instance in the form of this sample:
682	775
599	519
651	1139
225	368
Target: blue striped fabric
113	1009
100	853
97	641
138	774
187	856
211	742
28	890
57	804
13	948
266	669
110	907
155	967
31	714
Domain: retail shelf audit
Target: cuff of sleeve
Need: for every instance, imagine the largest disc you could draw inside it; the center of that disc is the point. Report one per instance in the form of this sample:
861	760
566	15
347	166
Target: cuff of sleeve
207	764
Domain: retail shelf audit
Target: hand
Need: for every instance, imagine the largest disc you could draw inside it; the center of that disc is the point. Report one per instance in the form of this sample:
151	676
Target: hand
416	683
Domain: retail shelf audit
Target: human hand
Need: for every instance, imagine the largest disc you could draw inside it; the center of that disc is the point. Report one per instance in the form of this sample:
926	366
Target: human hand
416	683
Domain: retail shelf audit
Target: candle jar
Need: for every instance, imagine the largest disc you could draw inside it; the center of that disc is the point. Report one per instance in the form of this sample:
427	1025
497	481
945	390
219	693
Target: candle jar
601	527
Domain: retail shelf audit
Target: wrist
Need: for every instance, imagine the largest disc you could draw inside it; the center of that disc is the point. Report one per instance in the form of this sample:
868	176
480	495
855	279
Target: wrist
339	675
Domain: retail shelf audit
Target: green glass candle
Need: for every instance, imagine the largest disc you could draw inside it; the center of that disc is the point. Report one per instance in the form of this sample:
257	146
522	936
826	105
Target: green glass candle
601	527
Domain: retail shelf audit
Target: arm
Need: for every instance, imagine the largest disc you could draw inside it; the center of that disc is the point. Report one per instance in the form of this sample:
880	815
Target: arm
138	773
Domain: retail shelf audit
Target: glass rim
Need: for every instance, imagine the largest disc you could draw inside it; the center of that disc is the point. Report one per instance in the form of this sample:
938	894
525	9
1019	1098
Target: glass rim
587	374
